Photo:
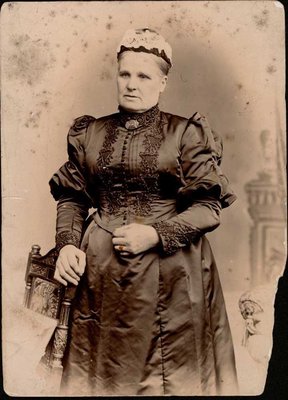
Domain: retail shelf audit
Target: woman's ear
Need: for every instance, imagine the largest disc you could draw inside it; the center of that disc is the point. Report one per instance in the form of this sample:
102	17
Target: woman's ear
163	83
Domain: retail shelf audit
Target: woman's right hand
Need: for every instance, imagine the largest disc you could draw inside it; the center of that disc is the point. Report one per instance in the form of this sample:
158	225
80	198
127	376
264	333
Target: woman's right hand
70	265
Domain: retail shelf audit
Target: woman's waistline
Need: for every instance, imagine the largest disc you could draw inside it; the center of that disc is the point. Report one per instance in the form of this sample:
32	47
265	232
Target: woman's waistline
110	224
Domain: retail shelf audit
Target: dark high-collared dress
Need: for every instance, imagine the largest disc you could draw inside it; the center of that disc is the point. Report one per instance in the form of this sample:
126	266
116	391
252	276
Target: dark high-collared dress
153	323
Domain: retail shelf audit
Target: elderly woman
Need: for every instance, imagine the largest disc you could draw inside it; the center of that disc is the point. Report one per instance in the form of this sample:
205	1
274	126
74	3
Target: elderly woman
149	315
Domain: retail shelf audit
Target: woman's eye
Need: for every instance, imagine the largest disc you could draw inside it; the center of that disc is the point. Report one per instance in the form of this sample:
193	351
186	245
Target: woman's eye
124	74
142	76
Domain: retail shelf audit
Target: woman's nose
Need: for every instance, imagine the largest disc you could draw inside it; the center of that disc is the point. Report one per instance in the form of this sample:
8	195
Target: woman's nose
131	84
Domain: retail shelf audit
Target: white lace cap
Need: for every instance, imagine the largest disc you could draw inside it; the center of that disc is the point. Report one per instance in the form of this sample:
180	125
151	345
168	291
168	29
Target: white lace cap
146	40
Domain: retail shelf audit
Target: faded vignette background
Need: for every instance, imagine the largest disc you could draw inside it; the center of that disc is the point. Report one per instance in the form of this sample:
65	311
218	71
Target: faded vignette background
58	63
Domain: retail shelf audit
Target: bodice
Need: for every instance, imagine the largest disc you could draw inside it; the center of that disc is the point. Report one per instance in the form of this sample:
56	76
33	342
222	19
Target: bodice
141	168
134	177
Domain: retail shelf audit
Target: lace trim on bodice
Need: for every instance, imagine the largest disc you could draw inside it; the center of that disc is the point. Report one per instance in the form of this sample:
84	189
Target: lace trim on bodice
146	180
143	119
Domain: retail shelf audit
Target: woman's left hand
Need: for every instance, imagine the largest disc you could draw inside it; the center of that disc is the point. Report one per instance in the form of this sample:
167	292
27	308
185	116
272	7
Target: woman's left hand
134	238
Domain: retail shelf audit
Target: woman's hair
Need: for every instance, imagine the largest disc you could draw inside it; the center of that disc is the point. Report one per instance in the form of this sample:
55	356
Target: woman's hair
162	64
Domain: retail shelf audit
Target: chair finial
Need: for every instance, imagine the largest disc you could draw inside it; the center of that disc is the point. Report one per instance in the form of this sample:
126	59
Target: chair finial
35	250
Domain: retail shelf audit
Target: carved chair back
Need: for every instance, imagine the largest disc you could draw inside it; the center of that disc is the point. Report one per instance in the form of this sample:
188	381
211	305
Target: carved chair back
46	296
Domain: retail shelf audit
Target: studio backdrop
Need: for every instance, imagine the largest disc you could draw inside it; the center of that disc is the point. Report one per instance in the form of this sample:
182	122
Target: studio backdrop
59	62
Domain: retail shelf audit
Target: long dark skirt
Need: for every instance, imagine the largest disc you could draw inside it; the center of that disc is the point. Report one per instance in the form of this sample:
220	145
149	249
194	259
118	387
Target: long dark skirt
148	324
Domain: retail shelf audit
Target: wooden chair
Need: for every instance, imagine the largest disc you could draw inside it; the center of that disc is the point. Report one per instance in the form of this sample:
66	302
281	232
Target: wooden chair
46	296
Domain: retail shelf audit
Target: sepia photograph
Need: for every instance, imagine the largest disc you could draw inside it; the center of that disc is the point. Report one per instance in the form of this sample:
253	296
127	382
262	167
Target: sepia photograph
144	198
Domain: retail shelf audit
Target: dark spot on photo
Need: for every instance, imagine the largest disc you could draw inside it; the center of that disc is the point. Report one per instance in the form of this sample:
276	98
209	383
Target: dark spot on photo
239	86
84	46
271	69
75	16
20	40
45	103
57	45
108	25
169	20
105	75
75	33
110	16
52	13
33	151
10	6
247	102
30	60
229	137
205	31
261	20
33	119
66	63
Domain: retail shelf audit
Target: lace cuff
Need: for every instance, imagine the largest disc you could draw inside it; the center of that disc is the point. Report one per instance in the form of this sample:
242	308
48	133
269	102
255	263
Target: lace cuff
174	235
64	238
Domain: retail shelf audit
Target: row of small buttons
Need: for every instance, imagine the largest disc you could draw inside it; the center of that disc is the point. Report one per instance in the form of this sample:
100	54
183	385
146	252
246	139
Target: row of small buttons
122	162
124	148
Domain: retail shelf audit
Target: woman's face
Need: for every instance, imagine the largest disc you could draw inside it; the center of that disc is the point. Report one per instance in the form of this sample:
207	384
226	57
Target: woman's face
139	81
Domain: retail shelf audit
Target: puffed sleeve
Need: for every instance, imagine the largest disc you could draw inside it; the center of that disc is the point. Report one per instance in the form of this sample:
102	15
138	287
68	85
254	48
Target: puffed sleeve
69	187
205	191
